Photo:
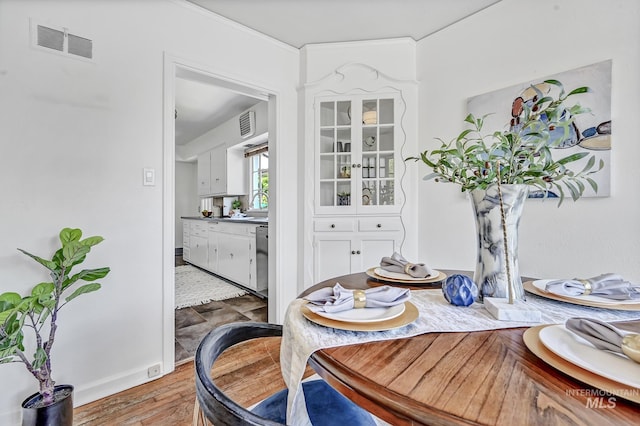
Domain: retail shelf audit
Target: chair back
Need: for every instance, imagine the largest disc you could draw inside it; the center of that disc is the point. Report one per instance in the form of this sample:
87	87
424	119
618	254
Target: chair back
215	405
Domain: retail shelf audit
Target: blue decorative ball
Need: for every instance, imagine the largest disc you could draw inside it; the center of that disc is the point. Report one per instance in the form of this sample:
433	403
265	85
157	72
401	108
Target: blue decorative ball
460	290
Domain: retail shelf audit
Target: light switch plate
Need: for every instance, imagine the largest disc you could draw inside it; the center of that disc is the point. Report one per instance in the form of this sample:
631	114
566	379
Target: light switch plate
149	177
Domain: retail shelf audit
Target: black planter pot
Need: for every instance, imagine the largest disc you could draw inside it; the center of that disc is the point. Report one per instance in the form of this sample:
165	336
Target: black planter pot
60	413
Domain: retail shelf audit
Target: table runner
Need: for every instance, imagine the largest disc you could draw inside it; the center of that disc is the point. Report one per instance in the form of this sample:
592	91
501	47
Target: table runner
301	337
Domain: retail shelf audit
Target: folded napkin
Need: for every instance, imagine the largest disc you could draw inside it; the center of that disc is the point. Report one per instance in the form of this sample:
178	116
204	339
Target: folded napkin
611	286
397	263
338	298
599	333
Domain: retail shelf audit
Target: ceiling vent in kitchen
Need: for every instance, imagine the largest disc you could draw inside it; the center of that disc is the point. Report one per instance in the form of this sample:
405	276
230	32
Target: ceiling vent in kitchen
247	124
60	40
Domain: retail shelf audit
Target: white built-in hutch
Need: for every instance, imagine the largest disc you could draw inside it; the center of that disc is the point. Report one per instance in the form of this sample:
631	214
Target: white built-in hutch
359	121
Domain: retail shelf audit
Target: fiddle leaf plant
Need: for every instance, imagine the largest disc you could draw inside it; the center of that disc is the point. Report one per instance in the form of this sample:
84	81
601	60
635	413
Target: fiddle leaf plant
38	311
520	155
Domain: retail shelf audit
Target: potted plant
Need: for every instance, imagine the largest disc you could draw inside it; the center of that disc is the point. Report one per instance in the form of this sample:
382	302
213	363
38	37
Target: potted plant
38	312
498	169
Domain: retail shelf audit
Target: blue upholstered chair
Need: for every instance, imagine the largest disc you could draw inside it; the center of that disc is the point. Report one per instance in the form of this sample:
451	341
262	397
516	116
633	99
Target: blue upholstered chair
325	405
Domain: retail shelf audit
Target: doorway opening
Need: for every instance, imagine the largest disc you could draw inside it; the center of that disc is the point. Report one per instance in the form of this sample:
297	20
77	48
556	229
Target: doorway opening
218	99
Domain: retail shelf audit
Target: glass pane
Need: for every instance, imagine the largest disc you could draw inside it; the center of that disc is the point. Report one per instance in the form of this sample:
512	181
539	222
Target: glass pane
369	112
327	194
326	140
343	196
369	197
369	166
344	113
344	138
327	113
369	138
383	166
327	166
386	111
344	167
386	192
386	138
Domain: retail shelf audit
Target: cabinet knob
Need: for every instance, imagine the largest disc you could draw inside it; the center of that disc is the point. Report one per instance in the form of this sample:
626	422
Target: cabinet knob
357	251
333	225
353	252
231	254
353	166
379	225
359	165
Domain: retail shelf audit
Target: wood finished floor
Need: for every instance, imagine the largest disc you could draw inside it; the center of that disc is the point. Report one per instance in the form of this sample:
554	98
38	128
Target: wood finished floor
169	400
248	373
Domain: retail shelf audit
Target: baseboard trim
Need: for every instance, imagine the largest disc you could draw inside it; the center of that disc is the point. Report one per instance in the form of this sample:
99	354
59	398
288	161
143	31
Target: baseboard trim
94	391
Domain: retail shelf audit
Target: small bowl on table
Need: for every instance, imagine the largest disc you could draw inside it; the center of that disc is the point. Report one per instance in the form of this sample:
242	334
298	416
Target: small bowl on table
206	213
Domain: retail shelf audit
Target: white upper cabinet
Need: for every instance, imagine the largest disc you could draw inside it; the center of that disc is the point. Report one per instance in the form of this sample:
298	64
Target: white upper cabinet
222	171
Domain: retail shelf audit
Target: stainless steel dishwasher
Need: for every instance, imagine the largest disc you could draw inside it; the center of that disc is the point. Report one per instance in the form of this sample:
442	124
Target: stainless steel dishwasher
262	259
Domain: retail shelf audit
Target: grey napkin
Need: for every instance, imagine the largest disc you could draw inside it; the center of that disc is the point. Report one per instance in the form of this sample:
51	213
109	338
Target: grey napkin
599	333
338	298
611	286
397	263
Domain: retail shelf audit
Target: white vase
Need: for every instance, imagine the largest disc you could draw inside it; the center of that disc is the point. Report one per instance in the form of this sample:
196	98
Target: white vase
491	271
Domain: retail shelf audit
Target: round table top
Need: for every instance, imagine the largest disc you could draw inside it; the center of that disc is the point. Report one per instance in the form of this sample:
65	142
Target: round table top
484	377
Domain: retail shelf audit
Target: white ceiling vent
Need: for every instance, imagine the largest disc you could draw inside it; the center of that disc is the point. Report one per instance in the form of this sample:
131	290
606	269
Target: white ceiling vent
247	124
60	40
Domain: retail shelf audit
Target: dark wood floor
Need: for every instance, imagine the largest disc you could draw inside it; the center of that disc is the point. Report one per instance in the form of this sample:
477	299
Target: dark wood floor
193	323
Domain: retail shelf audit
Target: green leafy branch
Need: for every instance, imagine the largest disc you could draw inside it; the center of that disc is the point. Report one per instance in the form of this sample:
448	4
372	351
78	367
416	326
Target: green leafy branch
520	155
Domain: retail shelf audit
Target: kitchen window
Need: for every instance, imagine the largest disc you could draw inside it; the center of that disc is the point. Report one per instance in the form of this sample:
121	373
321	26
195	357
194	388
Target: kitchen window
259	177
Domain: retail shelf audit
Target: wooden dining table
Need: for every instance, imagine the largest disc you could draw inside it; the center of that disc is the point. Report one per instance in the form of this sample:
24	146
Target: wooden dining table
462	378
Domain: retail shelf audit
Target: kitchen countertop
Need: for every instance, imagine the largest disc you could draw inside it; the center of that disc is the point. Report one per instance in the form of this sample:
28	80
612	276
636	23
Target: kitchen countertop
248	219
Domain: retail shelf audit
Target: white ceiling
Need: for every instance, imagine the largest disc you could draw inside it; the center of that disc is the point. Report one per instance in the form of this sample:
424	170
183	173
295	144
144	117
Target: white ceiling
202	106
300	22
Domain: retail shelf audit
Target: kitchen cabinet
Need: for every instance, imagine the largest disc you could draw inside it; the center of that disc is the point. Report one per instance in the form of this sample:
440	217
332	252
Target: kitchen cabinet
204	173
186	232
222	171
212	238
225	248
198	244
344	246
237	253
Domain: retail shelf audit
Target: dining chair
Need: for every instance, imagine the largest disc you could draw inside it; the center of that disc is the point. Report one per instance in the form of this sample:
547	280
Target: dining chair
325	405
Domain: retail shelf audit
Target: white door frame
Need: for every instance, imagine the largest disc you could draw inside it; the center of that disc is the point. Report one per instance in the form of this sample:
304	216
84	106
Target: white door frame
173	64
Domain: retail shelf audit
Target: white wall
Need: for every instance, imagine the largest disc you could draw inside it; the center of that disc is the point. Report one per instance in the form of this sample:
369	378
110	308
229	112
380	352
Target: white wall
187	201
75	139
508	43
227	133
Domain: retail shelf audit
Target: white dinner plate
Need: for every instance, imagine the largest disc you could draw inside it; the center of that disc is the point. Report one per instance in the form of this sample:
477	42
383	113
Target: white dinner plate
364	315
580	352
542	285
398	276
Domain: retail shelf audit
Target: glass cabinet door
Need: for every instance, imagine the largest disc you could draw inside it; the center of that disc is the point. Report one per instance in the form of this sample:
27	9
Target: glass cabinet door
356	150
335	153
378	152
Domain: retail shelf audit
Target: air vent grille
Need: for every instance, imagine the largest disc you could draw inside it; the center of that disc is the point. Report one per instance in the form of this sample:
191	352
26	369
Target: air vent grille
80	46
247	124
50	38
60	40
